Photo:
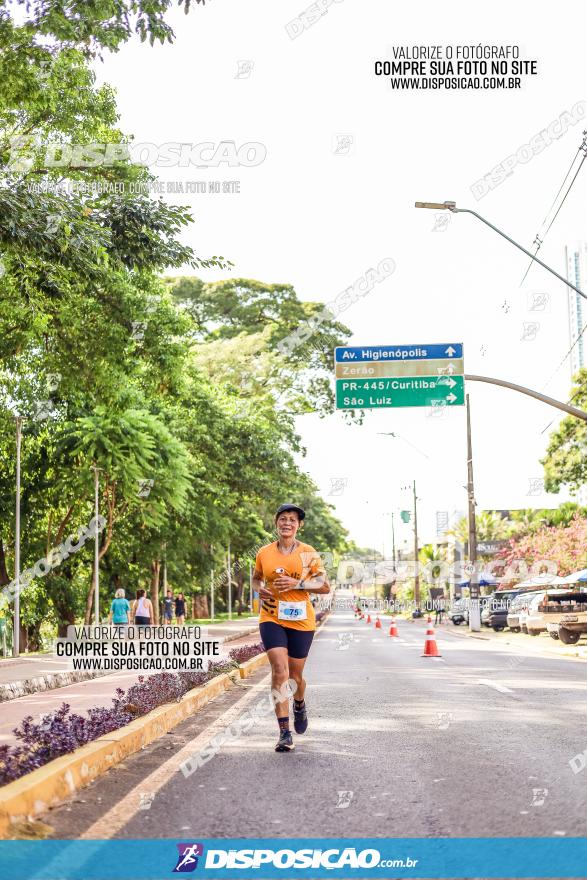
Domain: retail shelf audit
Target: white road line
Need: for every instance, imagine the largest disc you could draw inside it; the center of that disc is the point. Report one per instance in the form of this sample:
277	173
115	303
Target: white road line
122	812
494	684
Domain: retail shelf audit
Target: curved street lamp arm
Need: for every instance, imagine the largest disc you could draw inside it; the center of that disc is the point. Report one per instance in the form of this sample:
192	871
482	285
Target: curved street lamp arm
519	246
571	410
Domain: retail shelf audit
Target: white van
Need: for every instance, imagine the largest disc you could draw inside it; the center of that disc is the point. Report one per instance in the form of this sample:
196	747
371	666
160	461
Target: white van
517	608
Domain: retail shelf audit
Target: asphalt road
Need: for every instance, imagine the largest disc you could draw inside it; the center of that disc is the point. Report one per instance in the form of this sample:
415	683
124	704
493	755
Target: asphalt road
476	743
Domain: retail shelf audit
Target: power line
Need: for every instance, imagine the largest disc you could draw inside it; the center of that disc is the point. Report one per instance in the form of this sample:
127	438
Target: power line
538	241
553	374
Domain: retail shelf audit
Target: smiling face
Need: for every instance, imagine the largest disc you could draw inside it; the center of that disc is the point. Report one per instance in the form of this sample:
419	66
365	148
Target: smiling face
287	524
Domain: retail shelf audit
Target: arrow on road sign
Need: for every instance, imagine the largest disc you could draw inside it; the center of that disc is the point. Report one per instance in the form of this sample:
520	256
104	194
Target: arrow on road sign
446	371
450	351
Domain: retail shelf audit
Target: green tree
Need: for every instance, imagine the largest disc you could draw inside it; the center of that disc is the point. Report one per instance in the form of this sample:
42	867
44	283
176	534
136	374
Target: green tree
565	462
253	338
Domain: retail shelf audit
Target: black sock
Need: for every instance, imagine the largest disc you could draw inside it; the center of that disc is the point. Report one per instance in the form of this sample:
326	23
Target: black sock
283	723
299	705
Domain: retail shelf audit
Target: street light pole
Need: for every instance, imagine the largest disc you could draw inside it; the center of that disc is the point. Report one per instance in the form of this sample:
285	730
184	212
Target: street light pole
393	540
16	632
229	596
474	614
452	206
96	546
212	594
416	563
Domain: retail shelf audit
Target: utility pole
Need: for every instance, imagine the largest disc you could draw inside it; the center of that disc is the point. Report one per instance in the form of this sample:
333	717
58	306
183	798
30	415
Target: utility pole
16	632
416	564
474	615
165	569
229	583
393	541
96	545
212	594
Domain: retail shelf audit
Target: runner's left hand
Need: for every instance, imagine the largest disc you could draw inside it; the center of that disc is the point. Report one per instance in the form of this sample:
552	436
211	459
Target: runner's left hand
283	582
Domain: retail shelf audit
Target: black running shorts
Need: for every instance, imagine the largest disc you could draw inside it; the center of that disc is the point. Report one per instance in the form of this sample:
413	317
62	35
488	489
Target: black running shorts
297	641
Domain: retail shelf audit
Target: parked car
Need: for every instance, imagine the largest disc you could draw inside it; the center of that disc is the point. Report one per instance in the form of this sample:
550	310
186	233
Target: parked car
483	600
496	610
456	612
529	597
518	604
566	616
536	618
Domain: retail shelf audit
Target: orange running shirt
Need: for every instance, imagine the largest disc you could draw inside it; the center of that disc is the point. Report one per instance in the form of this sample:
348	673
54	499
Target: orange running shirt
303	562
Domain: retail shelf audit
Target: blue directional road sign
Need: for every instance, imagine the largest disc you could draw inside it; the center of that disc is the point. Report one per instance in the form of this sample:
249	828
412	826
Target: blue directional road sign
374	376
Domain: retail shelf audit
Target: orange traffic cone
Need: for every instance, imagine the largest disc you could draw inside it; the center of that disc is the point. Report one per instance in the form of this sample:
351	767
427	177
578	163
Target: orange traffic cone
368	618
377	624
430	646
393	628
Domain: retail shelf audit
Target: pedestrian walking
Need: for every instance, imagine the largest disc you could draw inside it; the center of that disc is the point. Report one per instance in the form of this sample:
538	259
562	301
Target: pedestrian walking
142	610
168	607
440	606
119	609
180	609
287	572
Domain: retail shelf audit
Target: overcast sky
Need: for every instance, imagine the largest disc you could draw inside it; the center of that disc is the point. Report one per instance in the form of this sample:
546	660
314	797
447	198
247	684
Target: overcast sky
318	217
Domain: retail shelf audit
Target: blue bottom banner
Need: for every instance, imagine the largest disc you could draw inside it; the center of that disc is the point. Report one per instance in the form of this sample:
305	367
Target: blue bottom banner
417	858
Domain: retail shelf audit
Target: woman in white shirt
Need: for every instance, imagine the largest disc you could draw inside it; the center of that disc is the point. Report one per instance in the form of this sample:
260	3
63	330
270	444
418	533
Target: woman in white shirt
142	610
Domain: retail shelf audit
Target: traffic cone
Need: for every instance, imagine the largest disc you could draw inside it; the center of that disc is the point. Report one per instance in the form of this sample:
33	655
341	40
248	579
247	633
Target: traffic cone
393	629
368	618
377	624
430	646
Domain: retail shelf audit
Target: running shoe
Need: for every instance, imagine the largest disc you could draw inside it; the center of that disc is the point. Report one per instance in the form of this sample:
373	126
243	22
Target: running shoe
286	743
300	719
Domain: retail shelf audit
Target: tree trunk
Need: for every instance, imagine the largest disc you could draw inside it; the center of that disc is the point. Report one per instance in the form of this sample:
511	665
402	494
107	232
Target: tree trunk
65	614
200	606
4	579
155	573
90	601
240	607
34	637
23	642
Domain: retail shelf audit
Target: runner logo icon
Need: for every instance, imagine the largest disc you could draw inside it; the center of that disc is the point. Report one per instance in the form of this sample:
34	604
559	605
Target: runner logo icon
187	860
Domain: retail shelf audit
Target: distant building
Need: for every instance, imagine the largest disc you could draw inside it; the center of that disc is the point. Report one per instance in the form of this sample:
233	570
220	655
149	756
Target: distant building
576	260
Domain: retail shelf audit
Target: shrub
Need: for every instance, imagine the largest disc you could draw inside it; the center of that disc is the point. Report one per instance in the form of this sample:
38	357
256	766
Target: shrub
61	731
246	652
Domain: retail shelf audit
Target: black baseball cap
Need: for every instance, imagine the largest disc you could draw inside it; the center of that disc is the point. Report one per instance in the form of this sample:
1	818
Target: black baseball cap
283	507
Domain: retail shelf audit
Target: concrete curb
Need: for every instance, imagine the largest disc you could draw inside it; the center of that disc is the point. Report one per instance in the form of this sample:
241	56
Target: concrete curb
249	666
50	681
239	635
12	690
34	793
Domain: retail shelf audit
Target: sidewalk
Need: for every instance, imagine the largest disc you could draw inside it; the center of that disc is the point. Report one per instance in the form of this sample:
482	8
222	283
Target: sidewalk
42	672
98	691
